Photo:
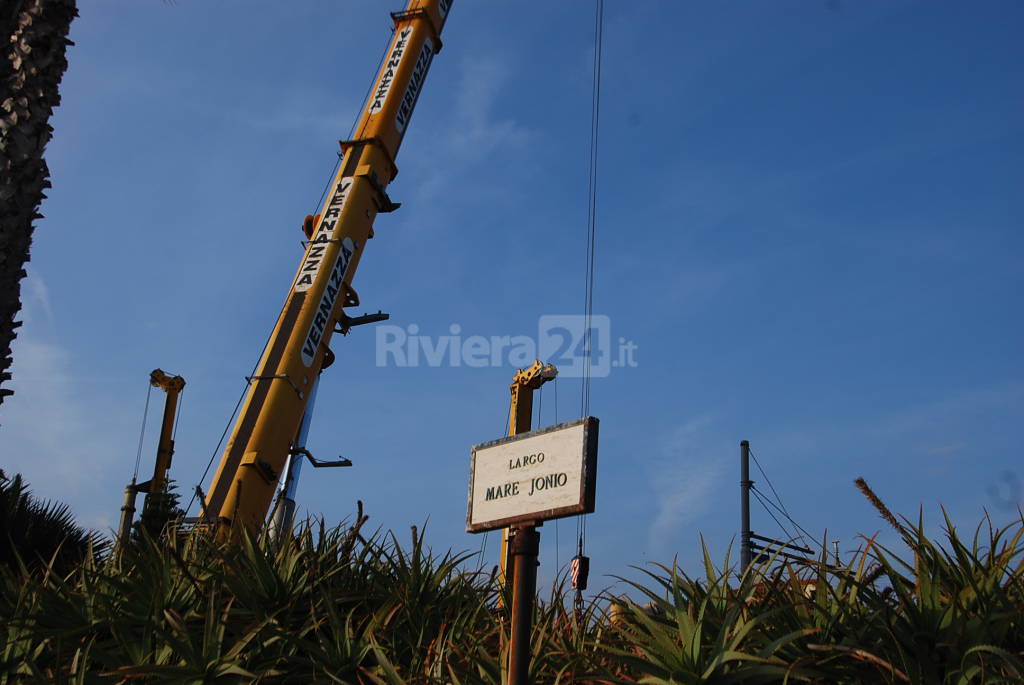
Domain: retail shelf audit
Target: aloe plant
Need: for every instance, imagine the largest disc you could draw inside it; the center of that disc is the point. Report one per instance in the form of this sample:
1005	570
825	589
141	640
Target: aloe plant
702	631
343	605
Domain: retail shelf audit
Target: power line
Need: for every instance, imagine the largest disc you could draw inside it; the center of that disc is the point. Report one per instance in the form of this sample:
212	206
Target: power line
766	478
760	500
787	516
781	508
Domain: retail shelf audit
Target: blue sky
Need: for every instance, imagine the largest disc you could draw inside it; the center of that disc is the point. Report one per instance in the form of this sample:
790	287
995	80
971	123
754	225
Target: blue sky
809	225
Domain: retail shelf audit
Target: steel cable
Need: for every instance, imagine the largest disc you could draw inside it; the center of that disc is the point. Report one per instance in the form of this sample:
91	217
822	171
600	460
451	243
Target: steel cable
588	307
142	431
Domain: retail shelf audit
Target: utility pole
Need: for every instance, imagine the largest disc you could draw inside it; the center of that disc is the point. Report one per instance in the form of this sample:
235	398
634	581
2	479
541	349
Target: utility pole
745	484
780	548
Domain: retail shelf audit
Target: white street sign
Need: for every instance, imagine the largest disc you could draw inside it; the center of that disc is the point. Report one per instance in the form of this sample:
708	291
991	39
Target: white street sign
531	477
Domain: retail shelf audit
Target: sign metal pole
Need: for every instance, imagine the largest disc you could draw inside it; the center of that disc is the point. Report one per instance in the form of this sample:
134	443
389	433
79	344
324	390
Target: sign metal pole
518	482
525	550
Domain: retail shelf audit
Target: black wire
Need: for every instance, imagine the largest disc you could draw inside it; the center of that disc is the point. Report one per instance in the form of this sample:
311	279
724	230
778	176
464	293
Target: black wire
241	397
483	550
555	385
588	306
595	109
177	414
355	122
337	163
483	542
761	501
142	432
508	424
216	450
782	507
558	567
376	76
327	186
788	517
767	479
255	366
579	532
540	408
790	535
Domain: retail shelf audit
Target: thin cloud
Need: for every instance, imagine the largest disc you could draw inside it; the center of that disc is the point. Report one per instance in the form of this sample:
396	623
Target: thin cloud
54	430
999	402
948	448
475	133
683	480
34	290
478	132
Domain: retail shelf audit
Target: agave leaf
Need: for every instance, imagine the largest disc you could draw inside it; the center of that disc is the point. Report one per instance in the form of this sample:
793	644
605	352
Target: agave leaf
1014	662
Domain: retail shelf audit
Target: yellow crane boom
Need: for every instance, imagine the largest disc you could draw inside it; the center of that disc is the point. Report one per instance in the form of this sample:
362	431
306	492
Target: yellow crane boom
172	385
155	488
259	446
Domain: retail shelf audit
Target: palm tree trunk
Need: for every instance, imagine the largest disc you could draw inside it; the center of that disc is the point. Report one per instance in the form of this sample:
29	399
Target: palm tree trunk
32	63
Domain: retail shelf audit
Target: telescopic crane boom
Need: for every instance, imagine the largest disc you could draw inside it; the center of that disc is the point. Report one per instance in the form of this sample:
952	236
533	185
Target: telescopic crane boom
262	438
155	488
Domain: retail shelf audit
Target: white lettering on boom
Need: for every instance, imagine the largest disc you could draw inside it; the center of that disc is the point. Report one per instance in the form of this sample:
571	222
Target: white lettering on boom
323	236
412	91
335	286
389	70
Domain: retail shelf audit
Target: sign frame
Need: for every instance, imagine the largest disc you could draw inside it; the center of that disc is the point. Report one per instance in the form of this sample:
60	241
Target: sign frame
588	480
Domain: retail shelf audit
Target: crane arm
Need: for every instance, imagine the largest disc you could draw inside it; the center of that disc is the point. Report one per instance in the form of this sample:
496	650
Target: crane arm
172	385
155	488
244	484
523	384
